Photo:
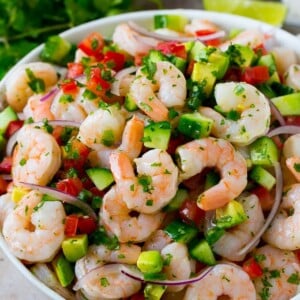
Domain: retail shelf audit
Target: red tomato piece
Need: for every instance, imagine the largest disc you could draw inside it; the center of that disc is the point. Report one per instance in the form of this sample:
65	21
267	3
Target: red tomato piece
92	45
5	165
174	143
233	74
69	86
255	75
115	58
297	253
3	186
260	49
293	120
96	192
71	186
71	225
204	32
86	225
252	267
13	126
213	42
266	199
57	132
75	70
96	83
138	296
173	48
190	212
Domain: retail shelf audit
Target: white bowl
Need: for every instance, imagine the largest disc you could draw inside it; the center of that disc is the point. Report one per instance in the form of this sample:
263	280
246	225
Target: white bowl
145	18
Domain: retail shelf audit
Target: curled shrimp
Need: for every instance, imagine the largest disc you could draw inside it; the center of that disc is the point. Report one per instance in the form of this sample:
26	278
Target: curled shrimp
166	89
284	58
99	255
200	24
254	109
292	76
131	41
6	206
107	282
224	280
18	84
283	232
116	218
233	240
36	158
178	265
103	128
278	266
155	185
34	230
196	155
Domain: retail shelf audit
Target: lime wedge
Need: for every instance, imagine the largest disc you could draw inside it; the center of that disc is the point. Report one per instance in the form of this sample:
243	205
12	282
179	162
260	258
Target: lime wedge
267	11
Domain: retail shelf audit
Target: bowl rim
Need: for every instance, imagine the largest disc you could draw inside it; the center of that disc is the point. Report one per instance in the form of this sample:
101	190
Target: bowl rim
95	25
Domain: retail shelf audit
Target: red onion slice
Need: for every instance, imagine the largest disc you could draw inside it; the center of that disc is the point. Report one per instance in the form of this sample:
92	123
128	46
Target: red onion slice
11	143
287	129
182	39
276	113
115	87
52	92
278	195
65	198
137	275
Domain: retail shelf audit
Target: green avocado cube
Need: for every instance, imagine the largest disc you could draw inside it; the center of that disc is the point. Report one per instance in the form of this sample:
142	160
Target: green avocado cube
63	270
75	247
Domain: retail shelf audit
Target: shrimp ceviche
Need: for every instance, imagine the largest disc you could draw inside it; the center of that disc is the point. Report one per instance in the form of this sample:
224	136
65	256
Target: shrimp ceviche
159	164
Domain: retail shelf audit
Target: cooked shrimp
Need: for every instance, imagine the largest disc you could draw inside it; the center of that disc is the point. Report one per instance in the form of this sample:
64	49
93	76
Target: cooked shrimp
284	57
235	239
198	25
177	266
157	241
278	267
116	217
291	153
99	255
248	37
224	280
103	128
34	230
18	87
132	42
166	89
210	152
255	112
155	185
292	77
6	206
37	156
283	232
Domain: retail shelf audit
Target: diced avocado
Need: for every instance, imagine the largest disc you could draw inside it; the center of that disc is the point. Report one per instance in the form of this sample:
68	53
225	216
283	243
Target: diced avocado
75	247
214	234
221	61
269	61
205	73
101	177
194	125
18	193
154	291
181	232
6	116
157	135
173	22
201	251
288	105
230	215
129	104
177	200
264	152
196	51
150	261
63	270
240	55
211	179
56	49
179	63
262	177
156	56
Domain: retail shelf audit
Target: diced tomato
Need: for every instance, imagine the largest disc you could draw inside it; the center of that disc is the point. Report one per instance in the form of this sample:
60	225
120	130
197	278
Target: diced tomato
96	83
204	32
190	67
213	42
71	225
173	48
116	59
69	86
86	225
255	75
191	213
293	120
71	186
252	267
5	165
57	132
75	70
92	45
3	186
96	192
297	253
13	126
199	266
174	143
260	49
81	148
233	74
138	59
265	197
138	296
